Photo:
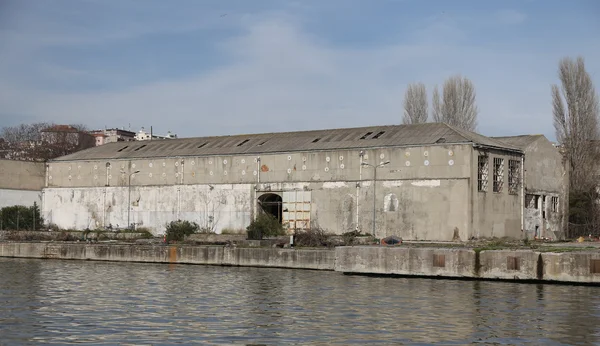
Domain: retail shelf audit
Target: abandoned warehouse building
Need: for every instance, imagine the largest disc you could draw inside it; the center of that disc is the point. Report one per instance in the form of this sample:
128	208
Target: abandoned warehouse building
426	182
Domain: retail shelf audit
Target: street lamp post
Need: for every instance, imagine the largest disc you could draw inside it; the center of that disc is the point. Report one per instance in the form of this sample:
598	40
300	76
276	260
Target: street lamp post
375	188
129	198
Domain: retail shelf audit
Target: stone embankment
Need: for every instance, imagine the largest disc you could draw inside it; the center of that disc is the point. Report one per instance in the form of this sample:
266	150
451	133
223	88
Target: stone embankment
518	265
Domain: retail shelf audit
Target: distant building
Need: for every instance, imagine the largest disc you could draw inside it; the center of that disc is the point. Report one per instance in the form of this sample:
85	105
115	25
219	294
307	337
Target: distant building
112	135
145	136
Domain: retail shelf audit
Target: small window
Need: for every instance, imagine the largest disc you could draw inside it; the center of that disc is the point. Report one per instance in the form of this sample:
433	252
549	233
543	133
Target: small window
554	204
243	142
544	207
378	135
366	135
202	145
531	201
316	140
136	149
514	176
125	147
482	173
498	174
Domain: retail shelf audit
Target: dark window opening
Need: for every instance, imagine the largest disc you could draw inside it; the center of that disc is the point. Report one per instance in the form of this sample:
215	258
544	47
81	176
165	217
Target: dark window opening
378	135
316	140
482	173
136	149
202	145
125	147
366	135
243	142
271	203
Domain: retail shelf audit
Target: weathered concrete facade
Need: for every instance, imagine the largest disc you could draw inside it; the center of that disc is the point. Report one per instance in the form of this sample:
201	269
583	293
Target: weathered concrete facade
21	182
429	190
545	189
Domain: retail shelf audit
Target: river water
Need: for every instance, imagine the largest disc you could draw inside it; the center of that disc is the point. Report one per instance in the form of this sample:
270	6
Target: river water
68	302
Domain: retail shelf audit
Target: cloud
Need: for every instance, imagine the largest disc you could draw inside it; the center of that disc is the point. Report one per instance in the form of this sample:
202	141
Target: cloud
511	17
275	75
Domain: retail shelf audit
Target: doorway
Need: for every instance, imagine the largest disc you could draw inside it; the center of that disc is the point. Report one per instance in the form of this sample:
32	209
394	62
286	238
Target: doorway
271	203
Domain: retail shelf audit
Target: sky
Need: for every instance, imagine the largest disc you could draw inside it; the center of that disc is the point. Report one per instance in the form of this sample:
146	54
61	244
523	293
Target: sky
218	67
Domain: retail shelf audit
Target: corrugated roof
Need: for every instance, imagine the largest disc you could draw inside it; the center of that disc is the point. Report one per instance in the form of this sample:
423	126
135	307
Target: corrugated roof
334	139
520	141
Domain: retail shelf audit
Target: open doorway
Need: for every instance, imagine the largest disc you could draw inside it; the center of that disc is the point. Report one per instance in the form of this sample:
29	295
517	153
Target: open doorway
271	203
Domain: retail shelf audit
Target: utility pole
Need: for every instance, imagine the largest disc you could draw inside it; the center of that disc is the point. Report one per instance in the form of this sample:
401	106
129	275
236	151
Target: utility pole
375	189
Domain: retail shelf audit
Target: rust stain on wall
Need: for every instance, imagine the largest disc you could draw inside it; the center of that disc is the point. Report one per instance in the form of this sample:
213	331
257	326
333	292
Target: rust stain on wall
264	168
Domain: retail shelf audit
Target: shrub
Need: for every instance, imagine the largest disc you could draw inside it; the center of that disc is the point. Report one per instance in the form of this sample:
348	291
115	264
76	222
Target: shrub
312	238
265	225
19	217
177	230
350	237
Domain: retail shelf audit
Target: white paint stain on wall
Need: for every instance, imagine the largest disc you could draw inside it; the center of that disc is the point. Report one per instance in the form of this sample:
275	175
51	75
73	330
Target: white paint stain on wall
426	183
334	185
393	183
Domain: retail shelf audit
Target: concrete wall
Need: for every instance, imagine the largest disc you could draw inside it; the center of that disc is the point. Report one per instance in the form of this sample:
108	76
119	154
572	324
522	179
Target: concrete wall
495	214
509	264
406	261
254	257
10	197
21	182
22	175
546	177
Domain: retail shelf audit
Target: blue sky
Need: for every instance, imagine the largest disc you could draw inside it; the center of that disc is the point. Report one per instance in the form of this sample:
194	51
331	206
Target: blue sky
213	67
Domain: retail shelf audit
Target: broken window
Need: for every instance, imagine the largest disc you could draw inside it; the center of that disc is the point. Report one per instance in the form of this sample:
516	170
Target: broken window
554	204
531	201
514	176
498	174
482	173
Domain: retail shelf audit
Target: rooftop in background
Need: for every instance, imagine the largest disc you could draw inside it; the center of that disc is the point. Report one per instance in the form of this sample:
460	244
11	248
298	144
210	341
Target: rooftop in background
521	141
334	139
60	128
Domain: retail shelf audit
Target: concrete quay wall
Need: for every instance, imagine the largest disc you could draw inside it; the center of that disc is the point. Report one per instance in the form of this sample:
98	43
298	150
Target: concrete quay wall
214	255
517	265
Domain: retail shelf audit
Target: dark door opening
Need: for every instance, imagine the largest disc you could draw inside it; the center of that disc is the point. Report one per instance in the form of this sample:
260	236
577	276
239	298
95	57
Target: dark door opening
271	203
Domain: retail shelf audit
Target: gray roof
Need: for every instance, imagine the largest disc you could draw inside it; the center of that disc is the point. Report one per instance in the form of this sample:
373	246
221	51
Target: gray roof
521	141
334	139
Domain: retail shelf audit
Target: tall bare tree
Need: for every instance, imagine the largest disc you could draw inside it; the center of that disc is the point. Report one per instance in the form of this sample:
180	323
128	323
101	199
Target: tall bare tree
457	105
576	121
415	104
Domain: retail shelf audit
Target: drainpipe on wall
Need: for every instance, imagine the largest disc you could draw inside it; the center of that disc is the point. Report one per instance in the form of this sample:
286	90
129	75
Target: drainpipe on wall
523	195
361	154
254	206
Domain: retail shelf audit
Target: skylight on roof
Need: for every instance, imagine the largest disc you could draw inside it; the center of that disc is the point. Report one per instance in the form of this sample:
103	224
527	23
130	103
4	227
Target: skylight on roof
316	140
203	144
243	142
263	143
378	135
136	149
366	135
125	147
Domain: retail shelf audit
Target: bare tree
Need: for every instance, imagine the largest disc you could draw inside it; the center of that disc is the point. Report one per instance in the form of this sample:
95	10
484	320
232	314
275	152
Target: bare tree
457	105
415	104
576	124
43	141
576	121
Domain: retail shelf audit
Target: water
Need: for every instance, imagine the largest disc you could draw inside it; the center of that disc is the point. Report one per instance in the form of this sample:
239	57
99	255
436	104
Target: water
67	302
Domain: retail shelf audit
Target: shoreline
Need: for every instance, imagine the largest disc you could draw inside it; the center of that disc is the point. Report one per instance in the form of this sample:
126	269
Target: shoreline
526	266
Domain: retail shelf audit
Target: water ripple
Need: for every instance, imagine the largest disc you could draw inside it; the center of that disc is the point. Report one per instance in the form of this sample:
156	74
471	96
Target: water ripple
69	302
